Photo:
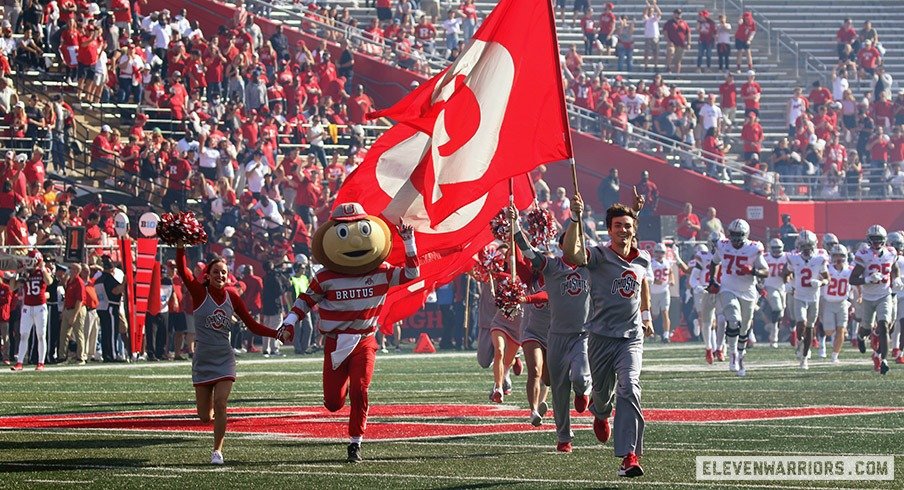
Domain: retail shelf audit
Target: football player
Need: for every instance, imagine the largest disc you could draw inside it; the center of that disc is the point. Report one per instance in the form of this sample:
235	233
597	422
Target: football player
775	288
740	261
836	299
875	269
809	271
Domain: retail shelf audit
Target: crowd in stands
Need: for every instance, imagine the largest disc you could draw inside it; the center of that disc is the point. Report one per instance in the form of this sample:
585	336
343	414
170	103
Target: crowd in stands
841	143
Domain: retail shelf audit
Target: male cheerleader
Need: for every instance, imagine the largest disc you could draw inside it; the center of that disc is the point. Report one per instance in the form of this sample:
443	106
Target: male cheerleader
740	262
568	294
875	269
619	320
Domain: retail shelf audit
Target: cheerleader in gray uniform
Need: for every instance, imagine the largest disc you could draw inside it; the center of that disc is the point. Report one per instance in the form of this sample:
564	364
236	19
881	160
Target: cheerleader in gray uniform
505	333
213	365
534	329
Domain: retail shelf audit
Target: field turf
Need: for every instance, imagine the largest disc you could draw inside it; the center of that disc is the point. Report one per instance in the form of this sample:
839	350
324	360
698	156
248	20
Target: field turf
674	377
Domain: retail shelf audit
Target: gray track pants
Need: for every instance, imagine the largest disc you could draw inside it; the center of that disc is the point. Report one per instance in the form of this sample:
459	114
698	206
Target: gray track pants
566	360
615	367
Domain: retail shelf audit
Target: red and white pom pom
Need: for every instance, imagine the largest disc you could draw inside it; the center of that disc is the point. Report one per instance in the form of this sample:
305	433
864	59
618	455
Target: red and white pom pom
489	263
509	295
501	226
181	227
540	227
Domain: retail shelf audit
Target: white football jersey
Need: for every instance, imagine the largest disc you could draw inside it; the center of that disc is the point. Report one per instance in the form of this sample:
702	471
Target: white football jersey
839	287
807	273
735	266
776	266
661	271
880	262
704	259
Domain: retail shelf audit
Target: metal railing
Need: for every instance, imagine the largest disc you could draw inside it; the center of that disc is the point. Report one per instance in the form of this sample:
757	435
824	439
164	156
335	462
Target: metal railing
358	39
803	59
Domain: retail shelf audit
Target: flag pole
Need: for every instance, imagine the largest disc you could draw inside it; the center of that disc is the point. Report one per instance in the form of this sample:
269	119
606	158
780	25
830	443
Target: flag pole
512	227
565	119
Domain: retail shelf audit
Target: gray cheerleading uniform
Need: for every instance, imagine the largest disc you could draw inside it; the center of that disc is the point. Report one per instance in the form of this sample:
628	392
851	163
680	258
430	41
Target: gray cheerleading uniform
536	318
568	289
214	359
615	346
486	310
511	327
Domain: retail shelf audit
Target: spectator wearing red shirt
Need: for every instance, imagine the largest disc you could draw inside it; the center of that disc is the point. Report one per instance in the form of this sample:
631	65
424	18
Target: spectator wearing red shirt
751	92
878	147
90	44
16	233
589	28
845	37
177	174
706	39
834	154
752	135
823	125
883	112
122	16
819	95
102	154
425	33
896	147
607	27
743	37
728	94
73	319
359	105
868	59
34	167
688	223
678	36
308	191
178	97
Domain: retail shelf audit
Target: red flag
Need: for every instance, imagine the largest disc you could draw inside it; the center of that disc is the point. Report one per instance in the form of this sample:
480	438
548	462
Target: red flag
498	111
382	182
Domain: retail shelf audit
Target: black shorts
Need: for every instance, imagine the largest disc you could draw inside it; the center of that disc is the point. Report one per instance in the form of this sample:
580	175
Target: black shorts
85	71
850	122
177	322
639	120
755	111
209	172
739	45
384	13
605	40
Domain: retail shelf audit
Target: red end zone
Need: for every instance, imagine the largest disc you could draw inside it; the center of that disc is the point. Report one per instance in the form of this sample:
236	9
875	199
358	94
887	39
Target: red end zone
394	422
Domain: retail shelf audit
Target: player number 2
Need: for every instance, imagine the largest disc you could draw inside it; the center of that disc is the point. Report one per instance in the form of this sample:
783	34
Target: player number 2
805	276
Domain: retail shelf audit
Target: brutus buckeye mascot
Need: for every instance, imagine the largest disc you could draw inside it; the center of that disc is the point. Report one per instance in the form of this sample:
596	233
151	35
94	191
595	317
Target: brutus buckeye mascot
350	291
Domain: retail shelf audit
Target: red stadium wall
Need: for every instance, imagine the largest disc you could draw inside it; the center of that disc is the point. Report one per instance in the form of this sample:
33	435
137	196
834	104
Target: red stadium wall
387	84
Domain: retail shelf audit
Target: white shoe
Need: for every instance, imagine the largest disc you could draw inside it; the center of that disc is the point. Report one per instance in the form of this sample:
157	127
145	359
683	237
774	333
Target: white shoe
384	350
774	345
216	457
804	364
742	371
835	359
822	352
733	362
535	419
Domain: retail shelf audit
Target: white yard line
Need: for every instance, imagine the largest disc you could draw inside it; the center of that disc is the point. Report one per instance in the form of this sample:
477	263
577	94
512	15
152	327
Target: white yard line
62	482
401	476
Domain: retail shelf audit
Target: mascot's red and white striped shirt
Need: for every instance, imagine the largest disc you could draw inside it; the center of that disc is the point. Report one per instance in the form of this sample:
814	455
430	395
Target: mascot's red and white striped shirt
351	303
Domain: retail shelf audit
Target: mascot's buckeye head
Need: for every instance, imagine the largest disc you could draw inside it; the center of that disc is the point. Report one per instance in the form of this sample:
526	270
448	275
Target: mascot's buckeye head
351	242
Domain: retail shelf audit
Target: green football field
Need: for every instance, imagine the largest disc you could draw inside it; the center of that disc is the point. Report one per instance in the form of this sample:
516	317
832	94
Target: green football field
130	425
